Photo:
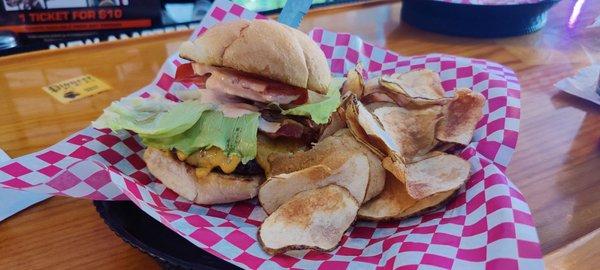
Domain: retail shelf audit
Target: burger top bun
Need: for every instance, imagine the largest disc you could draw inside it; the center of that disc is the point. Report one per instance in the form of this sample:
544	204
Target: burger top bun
265	48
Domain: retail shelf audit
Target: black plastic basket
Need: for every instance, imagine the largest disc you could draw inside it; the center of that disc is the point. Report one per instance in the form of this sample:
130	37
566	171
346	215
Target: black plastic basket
153	238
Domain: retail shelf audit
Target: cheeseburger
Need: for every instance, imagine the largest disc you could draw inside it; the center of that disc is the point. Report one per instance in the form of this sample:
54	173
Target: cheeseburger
252	88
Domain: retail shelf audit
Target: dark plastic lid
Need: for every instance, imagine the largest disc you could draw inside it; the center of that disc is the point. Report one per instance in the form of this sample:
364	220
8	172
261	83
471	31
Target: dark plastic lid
476	20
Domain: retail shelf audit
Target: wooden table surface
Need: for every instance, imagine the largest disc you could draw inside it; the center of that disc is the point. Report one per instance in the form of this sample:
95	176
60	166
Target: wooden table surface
556	165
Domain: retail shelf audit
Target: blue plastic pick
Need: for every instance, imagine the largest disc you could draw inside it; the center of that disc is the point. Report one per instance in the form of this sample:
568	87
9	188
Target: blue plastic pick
293	12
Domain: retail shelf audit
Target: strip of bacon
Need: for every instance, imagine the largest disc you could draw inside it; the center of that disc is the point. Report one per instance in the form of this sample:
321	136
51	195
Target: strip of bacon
240	84
276	125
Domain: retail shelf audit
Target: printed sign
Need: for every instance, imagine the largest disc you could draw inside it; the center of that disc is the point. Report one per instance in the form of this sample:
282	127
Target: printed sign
76	88
51	20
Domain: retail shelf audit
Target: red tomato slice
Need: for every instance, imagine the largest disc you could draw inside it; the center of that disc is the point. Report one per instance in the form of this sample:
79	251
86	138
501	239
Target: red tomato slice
185	74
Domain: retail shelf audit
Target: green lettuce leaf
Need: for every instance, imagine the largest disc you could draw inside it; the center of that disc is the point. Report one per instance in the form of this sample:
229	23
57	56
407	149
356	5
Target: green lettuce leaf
320	111
235	136
187	126
151	117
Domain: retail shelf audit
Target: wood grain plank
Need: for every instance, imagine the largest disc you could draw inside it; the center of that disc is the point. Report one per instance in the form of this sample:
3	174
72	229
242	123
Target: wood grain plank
581	254
65	233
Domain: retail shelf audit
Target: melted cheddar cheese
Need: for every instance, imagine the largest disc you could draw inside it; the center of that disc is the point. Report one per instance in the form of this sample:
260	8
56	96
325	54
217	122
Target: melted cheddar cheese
268	146
206	160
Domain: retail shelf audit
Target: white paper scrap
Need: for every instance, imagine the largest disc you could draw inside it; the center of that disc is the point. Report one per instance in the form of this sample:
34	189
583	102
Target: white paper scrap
584	84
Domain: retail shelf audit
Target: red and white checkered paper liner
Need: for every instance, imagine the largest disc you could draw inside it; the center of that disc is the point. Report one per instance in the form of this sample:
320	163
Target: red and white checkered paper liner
488	226
492	2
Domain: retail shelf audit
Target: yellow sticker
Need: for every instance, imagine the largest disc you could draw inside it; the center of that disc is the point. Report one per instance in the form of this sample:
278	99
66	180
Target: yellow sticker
76	88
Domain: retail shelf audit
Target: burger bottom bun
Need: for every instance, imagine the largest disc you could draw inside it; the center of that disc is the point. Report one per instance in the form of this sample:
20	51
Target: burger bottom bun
214	188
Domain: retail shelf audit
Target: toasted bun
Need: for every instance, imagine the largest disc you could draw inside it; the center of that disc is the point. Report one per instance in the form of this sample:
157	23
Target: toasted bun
262	47
213	189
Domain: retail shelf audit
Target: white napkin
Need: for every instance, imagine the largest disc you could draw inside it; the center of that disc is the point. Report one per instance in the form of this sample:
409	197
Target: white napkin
595	24
13	201
583	84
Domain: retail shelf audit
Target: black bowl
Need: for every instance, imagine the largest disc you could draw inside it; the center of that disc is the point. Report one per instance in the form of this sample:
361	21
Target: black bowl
486	21
150	236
